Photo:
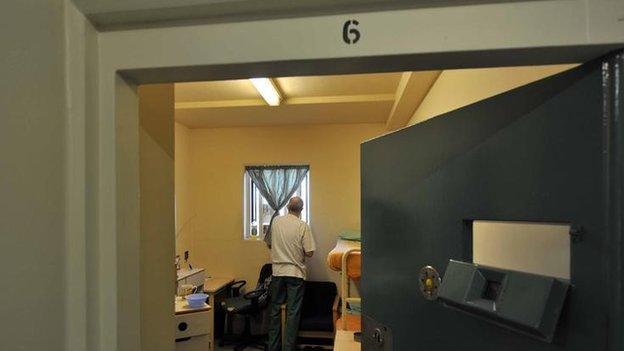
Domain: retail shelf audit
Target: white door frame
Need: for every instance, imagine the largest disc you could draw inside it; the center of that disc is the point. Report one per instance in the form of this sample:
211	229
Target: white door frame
113	63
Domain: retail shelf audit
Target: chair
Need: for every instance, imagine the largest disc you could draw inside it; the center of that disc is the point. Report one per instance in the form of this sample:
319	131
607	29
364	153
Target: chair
249	305
233	290
318	314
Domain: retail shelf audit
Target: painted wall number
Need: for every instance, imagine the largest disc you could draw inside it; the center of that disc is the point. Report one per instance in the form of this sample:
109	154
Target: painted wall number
350	33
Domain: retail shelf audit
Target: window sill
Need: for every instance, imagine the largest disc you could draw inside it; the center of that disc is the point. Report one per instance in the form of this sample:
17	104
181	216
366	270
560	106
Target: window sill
254	238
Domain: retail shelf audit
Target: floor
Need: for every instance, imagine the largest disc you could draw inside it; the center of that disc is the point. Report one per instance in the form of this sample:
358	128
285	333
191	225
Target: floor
230	348
345	342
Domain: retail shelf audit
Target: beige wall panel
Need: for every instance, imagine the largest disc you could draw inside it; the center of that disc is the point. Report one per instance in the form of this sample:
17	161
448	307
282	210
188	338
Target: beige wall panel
156	144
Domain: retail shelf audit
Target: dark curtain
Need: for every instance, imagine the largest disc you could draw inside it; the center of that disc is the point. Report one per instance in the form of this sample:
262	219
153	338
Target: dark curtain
276	184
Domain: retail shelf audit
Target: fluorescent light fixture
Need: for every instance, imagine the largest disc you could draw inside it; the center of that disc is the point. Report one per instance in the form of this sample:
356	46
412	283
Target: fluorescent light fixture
267	89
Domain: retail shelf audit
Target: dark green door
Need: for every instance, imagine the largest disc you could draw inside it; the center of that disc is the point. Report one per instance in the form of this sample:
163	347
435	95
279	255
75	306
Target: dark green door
551	151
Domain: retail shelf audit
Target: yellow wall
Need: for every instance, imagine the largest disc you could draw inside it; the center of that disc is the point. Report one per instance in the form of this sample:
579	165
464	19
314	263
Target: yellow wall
214	233
461	87
183	210
156	157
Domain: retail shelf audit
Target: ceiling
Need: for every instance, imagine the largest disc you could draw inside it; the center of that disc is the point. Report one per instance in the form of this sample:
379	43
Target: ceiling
389	98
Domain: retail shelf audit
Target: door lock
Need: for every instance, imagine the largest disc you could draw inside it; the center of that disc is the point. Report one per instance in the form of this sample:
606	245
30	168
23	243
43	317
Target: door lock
378	337
429	282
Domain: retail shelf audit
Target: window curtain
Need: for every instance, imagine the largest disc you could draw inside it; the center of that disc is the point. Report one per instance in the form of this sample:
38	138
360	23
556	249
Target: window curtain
276	184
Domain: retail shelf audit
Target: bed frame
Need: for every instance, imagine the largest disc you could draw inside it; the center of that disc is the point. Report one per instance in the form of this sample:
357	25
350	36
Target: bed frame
345	287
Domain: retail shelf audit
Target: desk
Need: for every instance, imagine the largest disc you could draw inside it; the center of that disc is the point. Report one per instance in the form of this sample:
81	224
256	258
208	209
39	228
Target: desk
193	276
344	341
193	327
182	307
213	287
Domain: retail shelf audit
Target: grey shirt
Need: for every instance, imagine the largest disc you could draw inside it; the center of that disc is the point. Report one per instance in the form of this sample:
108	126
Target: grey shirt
290	238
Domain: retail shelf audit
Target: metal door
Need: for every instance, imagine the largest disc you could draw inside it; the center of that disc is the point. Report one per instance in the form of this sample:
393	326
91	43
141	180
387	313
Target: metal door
550	151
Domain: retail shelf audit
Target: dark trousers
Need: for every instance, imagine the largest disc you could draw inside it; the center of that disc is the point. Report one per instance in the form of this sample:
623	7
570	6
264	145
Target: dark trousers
287	290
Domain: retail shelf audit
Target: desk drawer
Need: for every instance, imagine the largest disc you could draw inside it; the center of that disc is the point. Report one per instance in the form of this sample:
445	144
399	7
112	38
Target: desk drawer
192	324
196	343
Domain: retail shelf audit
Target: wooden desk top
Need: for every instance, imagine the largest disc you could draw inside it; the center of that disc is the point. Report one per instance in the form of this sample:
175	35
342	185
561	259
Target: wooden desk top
182	307
212	285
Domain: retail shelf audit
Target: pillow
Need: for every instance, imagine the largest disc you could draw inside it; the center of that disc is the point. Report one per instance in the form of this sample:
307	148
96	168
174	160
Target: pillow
352	235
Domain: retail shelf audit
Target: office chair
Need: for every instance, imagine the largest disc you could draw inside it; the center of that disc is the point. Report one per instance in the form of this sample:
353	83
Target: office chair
249	305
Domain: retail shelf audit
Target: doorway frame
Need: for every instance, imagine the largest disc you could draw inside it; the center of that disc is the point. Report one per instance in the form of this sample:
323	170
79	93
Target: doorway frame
114	63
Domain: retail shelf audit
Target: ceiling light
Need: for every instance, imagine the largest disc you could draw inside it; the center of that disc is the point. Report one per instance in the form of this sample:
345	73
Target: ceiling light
267	89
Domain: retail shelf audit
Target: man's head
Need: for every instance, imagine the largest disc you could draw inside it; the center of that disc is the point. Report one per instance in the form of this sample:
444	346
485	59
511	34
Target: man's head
295	205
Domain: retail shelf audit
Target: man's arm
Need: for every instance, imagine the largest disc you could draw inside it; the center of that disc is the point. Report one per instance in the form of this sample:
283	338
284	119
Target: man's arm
309	246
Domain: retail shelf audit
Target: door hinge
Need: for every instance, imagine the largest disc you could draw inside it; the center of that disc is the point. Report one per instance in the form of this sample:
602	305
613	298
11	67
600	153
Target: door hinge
576	233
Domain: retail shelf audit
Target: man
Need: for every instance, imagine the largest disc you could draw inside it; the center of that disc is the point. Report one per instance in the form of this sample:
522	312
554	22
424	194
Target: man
291	243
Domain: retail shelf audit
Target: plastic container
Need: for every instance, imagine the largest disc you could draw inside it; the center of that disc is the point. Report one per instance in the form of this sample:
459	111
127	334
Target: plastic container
196	300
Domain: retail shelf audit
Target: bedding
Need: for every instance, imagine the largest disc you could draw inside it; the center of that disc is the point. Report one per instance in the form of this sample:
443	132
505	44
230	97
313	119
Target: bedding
352	235
354	261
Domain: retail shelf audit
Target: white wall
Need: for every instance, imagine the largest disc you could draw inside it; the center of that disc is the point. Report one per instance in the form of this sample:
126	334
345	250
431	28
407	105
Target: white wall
32	175
131	12
540	248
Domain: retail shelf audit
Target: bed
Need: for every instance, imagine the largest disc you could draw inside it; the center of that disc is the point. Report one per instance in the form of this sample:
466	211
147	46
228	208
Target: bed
346	258
353	259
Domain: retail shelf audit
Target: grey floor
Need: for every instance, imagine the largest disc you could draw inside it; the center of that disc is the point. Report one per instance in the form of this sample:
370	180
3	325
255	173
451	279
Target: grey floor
230	348
224	348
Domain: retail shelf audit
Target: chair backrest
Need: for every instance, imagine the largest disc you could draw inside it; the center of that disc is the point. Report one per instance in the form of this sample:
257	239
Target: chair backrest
318	298
265	272
264	280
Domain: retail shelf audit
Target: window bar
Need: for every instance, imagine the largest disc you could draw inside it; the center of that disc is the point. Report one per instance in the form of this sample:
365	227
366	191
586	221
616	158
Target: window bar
252	192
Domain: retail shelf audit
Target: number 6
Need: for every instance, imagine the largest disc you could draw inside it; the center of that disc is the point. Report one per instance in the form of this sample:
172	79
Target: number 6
350	34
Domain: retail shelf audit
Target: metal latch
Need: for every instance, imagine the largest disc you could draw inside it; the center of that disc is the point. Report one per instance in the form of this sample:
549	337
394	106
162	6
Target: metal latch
375	336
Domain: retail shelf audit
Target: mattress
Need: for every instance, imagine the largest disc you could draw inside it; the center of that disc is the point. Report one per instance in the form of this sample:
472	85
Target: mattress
354	261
